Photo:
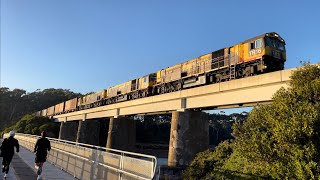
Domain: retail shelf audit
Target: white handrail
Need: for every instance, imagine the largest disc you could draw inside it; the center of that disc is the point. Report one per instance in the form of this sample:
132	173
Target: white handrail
121	153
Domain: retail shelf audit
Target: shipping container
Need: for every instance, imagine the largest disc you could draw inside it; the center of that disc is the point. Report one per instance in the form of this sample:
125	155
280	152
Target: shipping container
71	105
44	112
59	108
50	111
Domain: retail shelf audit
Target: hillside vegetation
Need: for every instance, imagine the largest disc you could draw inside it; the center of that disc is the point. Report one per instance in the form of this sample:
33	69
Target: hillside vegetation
31	124
16	103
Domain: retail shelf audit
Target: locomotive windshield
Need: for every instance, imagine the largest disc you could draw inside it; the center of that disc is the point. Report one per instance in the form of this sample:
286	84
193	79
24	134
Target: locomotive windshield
275	43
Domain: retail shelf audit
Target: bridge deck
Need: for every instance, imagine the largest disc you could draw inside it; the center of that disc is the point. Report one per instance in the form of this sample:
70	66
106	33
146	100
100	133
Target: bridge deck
22	167
243	92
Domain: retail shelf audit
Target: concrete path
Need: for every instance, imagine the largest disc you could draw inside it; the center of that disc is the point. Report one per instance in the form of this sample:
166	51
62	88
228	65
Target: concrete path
49	171
11	175
22	168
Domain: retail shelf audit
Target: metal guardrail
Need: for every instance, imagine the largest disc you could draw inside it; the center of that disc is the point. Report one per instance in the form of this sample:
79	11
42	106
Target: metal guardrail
90	162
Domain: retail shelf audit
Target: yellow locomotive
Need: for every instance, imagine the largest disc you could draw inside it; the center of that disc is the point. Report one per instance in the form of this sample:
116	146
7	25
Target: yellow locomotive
261	54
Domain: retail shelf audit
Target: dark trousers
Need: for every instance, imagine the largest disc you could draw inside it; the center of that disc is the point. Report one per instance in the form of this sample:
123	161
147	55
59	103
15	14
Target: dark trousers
6	163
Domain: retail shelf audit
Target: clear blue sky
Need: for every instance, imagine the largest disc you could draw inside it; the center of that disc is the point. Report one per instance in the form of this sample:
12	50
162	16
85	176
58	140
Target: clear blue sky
86	46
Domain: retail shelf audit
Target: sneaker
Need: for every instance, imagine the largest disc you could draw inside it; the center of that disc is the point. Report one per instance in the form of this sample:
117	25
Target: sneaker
39	177
5	176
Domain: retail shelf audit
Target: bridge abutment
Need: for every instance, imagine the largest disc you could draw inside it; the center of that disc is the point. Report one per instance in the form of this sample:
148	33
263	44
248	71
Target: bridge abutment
189	135
122	133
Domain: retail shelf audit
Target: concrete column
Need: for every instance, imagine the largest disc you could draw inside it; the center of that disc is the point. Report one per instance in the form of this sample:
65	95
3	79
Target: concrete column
80	126
122	134
189	135
88	132
61	129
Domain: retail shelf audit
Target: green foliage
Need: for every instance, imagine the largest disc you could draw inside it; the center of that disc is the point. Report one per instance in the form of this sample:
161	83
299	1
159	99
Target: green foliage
278	141
205	162
31	124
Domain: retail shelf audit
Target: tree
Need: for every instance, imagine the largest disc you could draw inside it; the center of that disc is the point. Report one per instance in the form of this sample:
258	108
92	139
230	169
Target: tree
31	124
281	140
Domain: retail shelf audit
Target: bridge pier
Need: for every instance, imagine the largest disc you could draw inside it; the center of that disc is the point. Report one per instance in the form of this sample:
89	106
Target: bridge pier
122	133
189	135
68	131
88	132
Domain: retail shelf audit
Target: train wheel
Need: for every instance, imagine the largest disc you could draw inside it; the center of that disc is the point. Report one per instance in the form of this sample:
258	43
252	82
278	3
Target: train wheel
247	74
218	78
163	89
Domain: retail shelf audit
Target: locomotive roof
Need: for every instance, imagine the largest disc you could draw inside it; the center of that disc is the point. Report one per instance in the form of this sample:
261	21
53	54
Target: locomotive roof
269	34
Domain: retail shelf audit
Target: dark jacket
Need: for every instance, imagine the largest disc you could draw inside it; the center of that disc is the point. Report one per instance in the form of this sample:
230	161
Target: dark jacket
7	147
42	146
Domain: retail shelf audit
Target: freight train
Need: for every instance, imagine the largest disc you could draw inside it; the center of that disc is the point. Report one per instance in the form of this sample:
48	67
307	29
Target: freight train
261	54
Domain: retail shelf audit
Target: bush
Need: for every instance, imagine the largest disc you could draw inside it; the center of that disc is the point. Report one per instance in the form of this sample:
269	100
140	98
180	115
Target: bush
277	141
31	124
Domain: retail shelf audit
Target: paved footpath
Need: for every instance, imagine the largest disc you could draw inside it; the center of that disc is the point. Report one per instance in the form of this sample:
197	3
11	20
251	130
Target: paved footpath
22	168
11	175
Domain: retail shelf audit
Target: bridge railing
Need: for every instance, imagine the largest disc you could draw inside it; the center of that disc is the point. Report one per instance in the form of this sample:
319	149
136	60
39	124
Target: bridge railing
86	161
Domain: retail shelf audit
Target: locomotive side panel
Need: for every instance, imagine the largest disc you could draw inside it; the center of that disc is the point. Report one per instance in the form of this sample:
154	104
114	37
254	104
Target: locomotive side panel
218	59
204	62
91	98
253	49
146	81
171	73
188	68
120	89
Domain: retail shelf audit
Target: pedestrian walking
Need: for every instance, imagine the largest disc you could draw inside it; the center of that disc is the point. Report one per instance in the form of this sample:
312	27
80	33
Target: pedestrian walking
7	152
41	150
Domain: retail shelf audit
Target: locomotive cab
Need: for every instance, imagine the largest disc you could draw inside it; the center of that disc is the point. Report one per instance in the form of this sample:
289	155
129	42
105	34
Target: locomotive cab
275	52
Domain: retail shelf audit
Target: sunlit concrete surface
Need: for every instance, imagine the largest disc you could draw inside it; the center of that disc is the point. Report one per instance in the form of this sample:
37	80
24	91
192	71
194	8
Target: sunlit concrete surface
49	171
243	92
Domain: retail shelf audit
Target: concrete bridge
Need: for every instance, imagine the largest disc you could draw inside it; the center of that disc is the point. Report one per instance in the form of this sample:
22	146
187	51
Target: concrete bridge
189	125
